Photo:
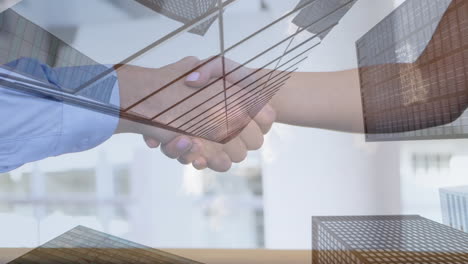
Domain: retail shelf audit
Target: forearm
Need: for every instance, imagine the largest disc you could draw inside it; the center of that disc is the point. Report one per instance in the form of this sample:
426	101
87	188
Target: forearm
328	100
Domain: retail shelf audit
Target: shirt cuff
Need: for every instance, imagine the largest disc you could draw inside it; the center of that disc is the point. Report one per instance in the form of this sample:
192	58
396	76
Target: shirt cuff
84	128
5	169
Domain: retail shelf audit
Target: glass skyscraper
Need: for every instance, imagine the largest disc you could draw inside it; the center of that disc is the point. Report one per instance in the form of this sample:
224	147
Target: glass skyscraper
454	203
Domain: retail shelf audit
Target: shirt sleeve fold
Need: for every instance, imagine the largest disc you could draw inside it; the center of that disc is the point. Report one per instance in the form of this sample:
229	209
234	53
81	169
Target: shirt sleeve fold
36	127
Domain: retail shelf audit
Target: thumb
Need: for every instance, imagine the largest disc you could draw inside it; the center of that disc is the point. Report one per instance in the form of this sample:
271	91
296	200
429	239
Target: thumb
213	68
201	76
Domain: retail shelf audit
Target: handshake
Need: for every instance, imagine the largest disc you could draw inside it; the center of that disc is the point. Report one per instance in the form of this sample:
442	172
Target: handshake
209	101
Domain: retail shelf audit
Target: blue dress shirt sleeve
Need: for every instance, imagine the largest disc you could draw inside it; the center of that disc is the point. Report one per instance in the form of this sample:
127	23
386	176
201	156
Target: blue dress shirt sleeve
35	127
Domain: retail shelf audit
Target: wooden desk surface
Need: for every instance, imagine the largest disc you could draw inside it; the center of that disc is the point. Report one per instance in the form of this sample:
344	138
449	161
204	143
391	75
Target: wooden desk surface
212	256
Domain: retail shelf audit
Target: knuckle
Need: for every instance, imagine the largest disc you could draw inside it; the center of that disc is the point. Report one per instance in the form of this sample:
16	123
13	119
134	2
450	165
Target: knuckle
267	115
190	60
271	114
225	167
197	166
240	157
222	164
200	167
257	143
184	160
213	62
168	152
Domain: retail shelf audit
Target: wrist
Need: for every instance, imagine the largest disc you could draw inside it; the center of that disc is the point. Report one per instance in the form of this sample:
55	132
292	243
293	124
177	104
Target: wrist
133	86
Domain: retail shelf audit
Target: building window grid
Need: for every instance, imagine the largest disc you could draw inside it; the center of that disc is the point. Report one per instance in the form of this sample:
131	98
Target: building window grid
331	251
94	246
411	230
454	207
20	38
409	117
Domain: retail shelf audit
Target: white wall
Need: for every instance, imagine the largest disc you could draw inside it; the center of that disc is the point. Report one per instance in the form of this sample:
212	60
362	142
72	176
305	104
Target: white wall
314	172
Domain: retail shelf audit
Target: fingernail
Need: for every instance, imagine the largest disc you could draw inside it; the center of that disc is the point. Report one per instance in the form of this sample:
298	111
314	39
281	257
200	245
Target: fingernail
197	164
193	77
183	144
151	143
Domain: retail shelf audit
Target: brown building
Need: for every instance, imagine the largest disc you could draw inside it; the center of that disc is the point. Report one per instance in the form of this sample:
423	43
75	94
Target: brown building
395	239
84	245
414	74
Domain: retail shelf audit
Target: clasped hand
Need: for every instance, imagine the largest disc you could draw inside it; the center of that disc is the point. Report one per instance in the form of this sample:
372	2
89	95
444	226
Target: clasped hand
138	82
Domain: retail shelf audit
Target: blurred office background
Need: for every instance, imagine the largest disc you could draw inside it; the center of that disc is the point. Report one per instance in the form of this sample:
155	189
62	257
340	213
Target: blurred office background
125	189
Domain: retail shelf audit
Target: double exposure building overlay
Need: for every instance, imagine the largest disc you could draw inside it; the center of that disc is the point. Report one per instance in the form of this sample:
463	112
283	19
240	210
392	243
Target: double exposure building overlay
218	111
454	203
84	245
24	46
386	239
414	73
184	11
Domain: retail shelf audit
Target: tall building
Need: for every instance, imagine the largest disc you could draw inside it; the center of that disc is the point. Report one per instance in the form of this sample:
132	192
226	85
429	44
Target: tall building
386	239
454	203
20	38
413	72
84	245
184	11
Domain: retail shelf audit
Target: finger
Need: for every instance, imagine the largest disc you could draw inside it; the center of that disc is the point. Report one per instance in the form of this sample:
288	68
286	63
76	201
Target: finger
236	150
184	160
252	136
177	147
200	163
151	142
195	152
212	68
233	71
220	163
189	61
265	118
213	156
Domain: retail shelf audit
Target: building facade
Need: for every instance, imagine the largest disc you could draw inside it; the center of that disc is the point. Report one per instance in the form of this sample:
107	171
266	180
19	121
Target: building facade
84	245
413	72
454	203
386	239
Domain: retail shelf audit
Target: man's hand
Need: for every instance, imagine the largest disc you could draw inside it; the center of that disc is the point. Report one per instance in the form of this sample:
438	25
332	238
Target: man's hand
207	154
137	83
